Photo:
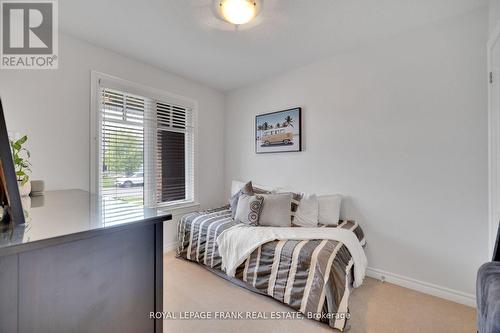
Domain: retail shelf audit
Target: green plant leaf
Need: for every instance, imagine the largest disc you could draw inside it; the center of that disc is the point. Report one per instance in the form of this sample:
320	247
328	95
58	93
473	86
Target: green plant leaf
22	140
21	157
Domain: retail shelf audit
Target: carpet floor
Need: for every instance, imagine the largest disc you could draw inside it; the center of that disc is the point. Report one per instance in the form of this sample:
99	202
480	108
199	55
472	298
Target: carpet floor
375	307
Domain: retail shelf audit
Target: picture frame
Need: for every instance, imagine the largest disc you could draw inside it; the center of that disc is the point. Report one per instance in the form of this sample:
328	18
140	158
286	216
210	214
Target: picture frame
279	131
9	190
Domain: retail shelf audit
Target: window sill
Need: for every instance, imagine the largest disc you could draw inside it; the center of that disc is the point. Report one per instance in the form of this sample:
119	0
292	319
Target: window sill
180	208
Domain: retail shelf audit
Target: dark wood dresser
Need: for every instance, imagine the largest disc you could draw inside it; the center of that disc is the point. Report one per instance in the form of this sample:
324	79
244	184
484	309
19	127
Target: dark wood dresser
82	264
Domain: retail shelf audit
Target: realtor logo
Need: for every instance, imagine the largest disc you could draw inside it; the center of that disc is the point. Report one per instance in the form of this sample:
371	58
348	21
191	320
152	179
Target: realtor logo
28	34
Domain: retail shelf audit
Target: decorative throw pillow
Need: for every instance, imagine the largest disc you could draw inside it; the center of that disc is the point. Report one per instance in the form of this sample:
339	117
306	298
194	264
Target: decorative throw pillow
233	202
276	210
296	197
329	209
249	208
307	212
236	185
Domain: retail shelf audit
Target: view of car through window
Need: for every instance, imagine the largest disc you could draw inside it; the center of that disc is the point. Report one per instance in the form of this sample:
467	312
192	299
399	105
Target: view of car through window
136	179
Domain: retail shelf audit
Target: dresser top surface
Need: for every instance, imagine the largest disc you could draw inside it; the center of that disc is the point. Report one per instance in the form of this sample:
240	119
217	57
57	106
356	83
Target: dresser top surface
60	214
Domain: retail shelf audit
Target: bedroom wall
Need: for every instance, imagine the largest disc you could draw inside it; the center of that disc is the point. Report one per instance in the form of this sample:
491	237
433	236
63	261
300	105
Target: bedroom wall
52	107
494	14
400	128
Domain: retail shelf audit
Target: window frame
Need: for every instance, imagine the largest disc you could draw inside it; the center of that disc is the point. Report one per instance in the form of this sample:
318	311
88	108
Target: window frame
95	132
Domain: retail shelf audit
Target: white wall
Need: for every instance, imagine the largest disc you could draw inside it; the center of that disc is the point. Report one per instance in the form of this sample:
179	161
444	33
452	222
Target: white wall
400	127
494	14
52	107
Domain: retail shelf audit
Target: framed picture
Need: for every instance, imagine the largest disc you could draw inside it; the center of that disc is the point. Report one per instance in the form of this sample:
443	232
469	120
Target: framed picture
9	190
279	132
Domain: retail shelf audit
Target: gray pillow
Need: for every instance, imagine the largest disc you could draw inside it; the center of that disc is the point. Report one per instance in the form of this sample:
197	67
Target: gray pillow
276	210
296	198
233	202
249	208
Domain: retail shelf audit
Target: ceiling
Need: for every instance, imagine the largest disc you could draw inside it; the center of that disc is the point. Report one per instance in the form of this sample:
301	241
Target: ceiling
185	38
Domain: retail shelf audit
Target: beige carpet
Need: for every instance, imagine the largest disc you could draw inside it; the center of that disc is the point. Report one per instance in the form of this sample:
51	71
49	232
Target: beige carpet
375	307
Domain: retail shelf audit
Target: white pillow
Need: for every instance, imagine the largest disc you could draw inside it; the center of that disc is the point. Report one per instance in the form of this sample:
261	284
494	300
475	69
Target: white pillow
307	212
329	209
236	185
276	210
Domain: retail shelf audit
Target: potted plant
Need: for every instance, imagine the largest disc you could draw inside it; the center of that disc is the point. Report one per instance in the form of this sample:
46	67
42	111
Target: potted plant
22	165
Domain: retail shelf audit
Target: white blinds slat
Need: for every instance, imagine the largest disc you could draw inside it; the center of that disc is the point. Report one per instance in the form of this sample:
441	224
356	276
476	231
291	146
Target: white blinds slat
121	148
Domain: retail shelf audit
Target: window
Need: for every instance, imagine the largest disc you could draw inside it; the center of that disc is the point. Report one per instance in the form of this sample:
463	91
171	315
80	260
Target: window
145	145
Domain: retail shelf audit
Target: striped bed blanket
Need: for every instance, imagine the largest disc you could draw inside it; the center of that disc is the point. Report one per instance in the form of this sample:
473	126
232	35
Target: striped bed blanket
320	292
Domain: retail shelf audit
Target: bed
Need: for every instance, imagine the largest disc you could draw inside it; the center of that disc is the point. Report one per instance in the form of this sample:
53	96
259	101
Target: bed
280	269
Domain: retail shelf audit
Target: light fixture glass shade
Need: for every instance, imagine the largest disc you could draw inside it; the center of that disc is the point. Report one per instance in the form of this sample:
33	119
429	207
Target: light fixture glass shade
238	11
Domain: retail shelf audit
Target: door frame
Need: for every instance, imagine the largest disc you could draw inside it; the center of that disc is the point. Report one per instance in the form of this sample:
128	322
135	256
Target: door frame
493	143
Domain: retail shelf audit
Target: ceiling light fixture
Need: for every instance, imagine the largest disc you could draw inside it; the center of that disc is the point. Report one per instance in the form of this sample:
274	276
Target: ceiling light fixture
238	12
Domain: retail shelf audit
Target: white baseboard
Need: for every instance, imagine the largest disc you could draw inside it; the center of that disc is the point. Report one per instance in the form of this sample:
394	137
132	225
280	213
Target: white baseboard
423	287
